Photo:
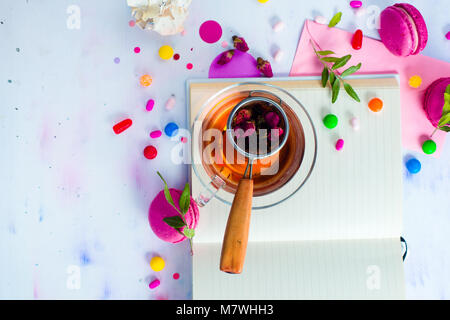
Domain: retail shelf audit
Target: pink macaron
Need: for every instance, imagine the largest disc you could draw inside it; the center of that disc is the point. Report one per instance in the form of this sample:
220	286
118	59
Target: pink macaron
434	100
160	209
403	29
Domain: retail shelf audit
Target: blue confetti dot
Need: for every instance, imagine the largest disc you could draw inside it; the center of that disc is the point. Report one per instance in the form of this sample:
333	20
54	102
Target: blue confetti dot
413	165
171	129
84	258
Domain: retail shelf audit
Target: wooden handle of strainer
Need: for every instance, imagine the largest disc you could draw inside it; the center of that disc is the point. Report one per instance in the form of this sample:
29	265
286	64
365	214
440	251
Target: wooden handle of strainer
236	234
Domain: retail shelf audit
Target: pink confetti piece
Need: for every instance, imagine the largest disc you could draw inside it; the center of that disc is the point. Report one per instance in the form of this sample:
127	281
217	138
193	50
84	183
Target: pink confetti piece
131	23
155	134
448	35
176	276
210	31
224	44
150	104
183	139
155	283
137	50
189	66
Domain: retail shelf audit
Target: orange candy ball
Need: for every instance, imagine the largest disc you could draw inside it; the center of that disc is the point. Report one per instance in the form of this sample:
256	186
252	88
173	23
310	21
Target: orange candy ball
146	80
376	105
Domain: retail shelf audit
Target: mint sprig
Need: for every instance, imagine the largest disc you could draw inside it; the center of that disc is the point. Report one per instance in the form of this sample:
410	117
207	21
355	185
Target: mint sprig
178	222
445	118
331	75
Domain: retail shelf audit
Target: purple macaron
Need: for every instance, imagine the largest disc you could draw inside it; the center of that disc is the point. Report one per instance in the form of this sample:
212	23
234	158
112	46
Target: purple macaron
403	29
434	100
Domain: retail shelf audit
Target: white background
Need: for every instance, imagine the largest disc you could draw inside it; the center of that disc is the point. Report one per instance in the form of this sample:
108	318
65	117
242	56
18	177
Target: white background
74	194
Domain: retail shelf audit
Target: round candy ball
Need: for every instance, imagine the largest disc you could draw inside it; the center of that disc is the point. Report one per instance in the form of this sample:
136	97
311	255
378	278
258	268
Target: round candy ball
171	129
376	104
150	152
330	121
429	147
165	52
146	80
157	264
413	165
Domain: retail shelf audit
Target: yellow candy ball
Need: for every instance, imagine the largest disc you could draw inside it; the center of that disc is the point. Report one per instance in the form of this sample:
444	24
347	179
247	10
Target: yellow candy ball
165	52
263	1
415	81
146	80
157	264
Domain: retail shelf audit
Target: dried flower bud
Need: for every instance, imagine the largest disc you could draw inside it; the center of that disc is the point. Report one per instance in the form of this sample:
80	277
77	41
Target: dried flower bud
272	119
240	44
226	57
264	67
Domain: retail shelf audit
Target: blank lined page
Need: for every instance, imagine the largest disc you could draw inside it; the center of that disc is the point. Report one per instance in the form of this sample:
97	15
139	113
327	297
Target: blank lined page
341	269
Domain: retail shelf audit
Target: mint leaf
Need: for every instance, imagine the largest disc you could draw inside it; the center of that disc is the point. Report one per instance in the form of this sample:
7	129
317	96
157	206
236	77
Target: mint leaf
167	191
332	78
174	222
325	75
447	90
330	59
445	119
445	128
335	90
325	52
351	70
185	199
189	233
341	62
335	20
348	88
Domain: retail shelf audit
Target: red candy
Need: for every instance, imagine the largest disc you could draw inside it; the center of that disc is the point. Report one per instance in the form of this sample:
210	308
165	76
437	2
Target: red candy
122	126
150	152
357	40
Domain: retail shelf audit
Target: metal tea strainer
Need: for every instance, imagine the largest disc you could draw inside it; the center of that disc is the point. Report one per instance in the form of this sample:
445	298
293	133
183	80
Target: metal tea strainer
236	234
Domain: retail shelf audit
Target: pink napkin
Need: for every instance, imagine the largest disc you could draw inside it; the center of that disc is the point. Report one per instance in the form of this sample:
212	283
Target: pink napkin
376	59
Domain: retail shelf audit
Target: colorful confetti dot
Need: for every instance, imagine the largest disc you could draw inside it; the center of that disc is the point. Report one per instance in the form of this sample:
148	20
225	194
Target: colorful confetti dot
116	60
210	31
429	147
150	153
413	165
224	44
375	105
122	126
176	276
155	134
176	56
262	1
137	50
150	104
157	264
448	35
154	284
189	66
146	80
183	139
171	129
165	52
131	23
339	144
415	81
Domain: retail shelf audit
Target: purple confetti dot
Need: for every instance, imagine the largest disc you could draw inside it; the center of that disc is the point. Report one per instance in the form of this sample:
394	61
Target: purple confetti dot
116	60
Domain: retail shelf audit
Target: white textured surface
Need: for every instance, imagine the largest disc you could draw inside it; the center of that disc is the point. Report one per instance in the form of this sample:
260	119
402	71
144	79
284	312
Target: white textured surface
73	193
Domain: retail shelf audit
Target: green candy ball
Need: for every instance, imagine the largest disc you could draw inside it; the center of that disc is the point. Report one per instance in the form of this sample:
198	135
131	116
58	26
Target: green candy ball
330	121
429	147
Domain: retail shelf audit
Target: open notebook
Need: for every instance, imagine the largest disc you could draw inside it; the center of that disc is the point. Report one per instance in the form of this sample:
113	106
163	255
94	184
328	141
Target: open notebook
338	236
